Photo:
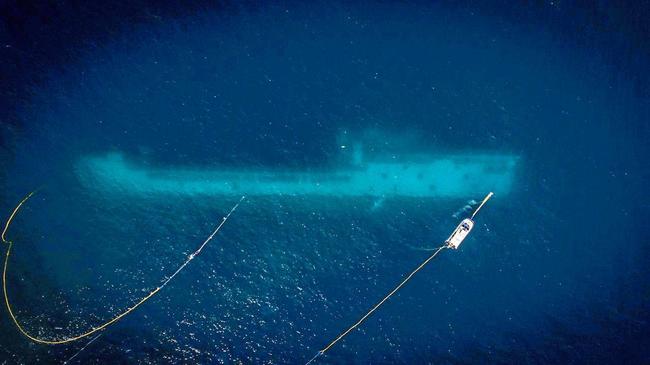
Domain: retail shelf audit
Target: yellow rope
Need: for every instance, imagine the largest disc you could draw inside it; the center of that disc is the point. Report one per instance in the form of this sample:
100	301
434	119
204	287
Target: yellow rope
321	352
482	203
13	214
114	319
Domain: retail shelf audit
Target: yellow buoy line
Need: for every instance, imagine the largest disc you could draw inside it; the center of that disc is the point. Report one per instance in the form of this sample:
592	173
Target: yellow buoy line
454	240
112	320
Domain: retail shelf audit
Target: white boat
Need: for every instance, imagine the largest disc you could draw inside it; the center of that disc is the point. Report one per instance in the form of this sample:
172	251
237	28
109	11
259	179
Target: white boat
459	234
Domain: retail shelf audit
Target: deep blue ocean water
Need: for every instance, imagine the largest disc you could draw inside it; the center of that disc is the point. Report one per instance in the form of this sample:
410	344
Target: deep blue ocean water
554	272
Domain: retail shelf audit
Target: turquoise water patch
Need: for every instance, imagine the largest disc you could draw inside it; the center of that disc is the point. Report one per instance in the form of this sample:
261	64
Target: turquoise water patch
459	175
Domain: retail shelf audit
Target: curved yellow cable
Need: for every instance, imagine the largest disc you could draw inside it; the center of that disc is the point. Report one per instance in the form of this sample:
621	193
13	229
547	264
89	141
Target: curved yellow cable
114	319
13	214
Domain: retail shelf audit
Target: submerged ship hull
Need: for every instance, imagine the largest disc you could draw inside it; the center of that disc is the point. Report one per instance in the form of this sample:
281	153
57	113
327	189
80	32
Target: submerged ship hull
442	176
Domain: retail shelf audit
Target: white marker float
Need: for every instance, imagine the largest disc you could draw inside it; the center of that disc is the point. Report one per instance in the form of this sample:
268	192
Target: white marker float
458	175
